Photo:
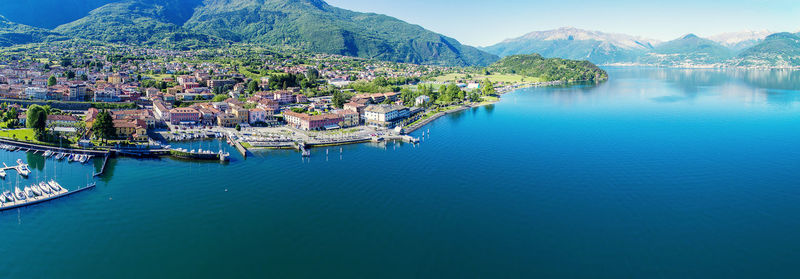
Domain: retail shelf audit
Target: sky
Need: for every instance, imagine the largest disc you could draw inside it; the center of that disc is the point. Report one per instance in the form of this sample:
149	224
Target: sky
486	22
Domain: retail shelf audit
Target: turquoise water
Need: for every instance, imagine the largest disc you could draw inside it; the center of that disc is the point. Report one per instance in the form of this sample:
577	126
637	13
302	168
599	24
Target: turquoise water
655	173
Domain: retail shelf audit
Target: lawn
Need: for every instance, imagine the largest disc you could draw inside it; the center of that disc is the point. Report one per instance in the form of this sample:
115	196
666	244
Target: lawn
18	134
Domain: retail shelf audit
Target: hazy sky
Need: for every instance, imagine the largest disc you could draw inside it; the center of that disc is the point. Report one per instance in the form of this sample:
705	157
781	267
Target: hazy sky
485	22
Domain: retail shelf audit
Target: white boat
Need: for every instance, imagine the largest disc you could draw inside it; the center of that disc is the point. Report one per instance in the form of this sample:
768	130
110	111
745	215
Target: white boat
84	159
29	192
54	185
23	170
20	195
9	196
3	199
44	187
36	190
2	173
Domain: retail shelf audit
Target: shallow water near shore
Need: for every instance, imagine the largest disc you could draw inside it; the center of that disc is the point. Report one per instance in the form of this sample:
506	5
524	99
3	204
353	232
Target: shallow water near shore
655	173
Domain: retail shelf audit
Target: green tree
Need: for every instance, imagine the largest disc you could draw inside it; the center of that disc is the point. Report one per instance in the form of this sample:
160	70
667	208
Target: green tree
103	127
37	120
487	88
52	81
338	99
220	98
252	86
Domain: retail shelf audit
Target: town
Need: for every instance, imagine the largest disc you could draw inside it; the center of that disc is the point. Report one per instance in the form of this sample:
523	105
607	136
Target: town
105	96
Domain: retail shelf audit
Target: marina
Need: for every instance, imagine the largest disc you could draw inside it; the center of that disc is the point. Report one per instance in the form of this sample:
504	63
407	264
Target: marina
36	193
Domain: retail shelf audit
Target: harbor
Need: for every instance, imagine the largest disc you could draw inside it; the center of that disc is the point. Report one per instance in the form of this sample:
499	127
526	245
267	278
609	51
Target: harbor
36	193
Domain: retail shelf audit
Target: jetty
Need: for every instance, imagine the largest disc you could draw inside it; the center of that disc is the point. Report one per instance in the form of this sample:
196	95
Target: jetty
17	168
44	197
103	168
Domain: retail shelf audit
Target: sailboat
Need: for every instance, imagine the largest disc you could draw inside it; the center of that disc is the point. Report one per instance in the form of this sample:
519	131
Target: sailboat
20	195
2	173
44	187
36	190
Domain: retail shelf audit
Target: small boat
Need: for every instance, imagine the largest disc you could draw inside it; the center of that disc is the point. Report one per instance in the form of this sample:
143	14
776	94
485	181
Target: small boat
9	196
2	173
70	157
19	194
20	162
44	187
48	153
3	199
84	159
54	185
23	170
29	192
36	190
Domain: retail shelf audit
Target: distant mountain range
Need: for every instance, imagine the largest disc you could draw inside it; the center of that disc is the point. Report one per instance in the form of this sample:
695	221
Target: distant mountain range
13	33
749	48
308	24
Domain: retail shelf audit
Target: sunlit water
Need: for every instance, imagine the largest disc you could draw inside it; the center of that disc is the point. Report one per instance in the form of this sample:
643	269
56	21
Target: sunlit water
655	173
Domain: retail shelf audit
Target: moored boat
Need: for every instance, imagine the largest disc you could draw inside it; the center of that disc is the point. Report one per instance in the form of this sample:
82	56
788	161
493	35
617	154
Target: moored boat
54	185
29	192
44	187
9	196
20	195
36	190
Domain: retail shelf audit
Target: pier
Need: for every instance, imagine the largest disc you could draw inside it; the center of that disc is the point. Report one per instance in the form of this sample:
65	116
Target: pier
42	198
103	168
238	146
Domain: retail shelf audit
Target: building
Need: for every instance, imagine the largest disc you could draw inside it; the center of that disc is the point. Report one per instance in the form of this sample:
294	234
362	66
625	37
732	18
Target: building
385	115
116	79
62	120
349	118
307	122
220	83
227	120
161	110
421	100
36	93
184	116
77	92
131	129
258	115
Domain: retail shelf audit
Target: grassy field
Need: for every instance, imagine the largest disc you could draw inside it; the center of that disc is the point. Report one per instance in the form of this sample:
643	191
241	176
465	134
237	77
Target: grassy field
19	134
494	78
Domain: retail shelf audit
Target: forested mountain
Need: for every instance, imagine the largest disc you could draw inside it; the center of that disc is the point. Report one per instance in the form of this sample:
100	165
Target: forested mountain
781	49
13	33
549	69
308	24
689	49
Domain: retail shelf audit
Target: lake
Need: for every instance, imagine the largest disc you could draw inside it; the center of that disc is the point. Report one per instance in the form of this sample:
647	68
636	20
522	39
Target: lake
654	173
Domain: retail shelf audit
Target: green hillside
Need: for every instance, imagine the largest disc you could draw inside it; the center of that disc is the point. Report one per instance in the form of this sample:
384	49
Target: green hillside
135	22
317	26
781	49
549	69
12	34
308	24
688	49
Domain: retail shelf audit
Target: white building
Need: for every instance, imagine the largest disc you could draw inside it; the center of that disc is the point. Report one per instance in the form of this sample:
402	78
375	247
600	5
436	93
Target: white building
421	100
385	115
36	93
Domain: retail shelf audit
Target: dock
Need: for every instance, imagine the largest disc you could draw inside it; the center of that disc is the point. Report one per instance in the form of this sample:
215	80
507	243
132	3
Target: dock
103	168
43	198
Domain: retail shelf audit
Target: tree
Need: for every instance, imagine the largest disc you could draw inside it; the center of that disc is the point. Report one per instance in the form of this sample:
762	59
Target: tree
252	86
312	74
37	120
84	77
487	88
238	127
220	97
338	99
52	81
387	101
103	127
70	75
